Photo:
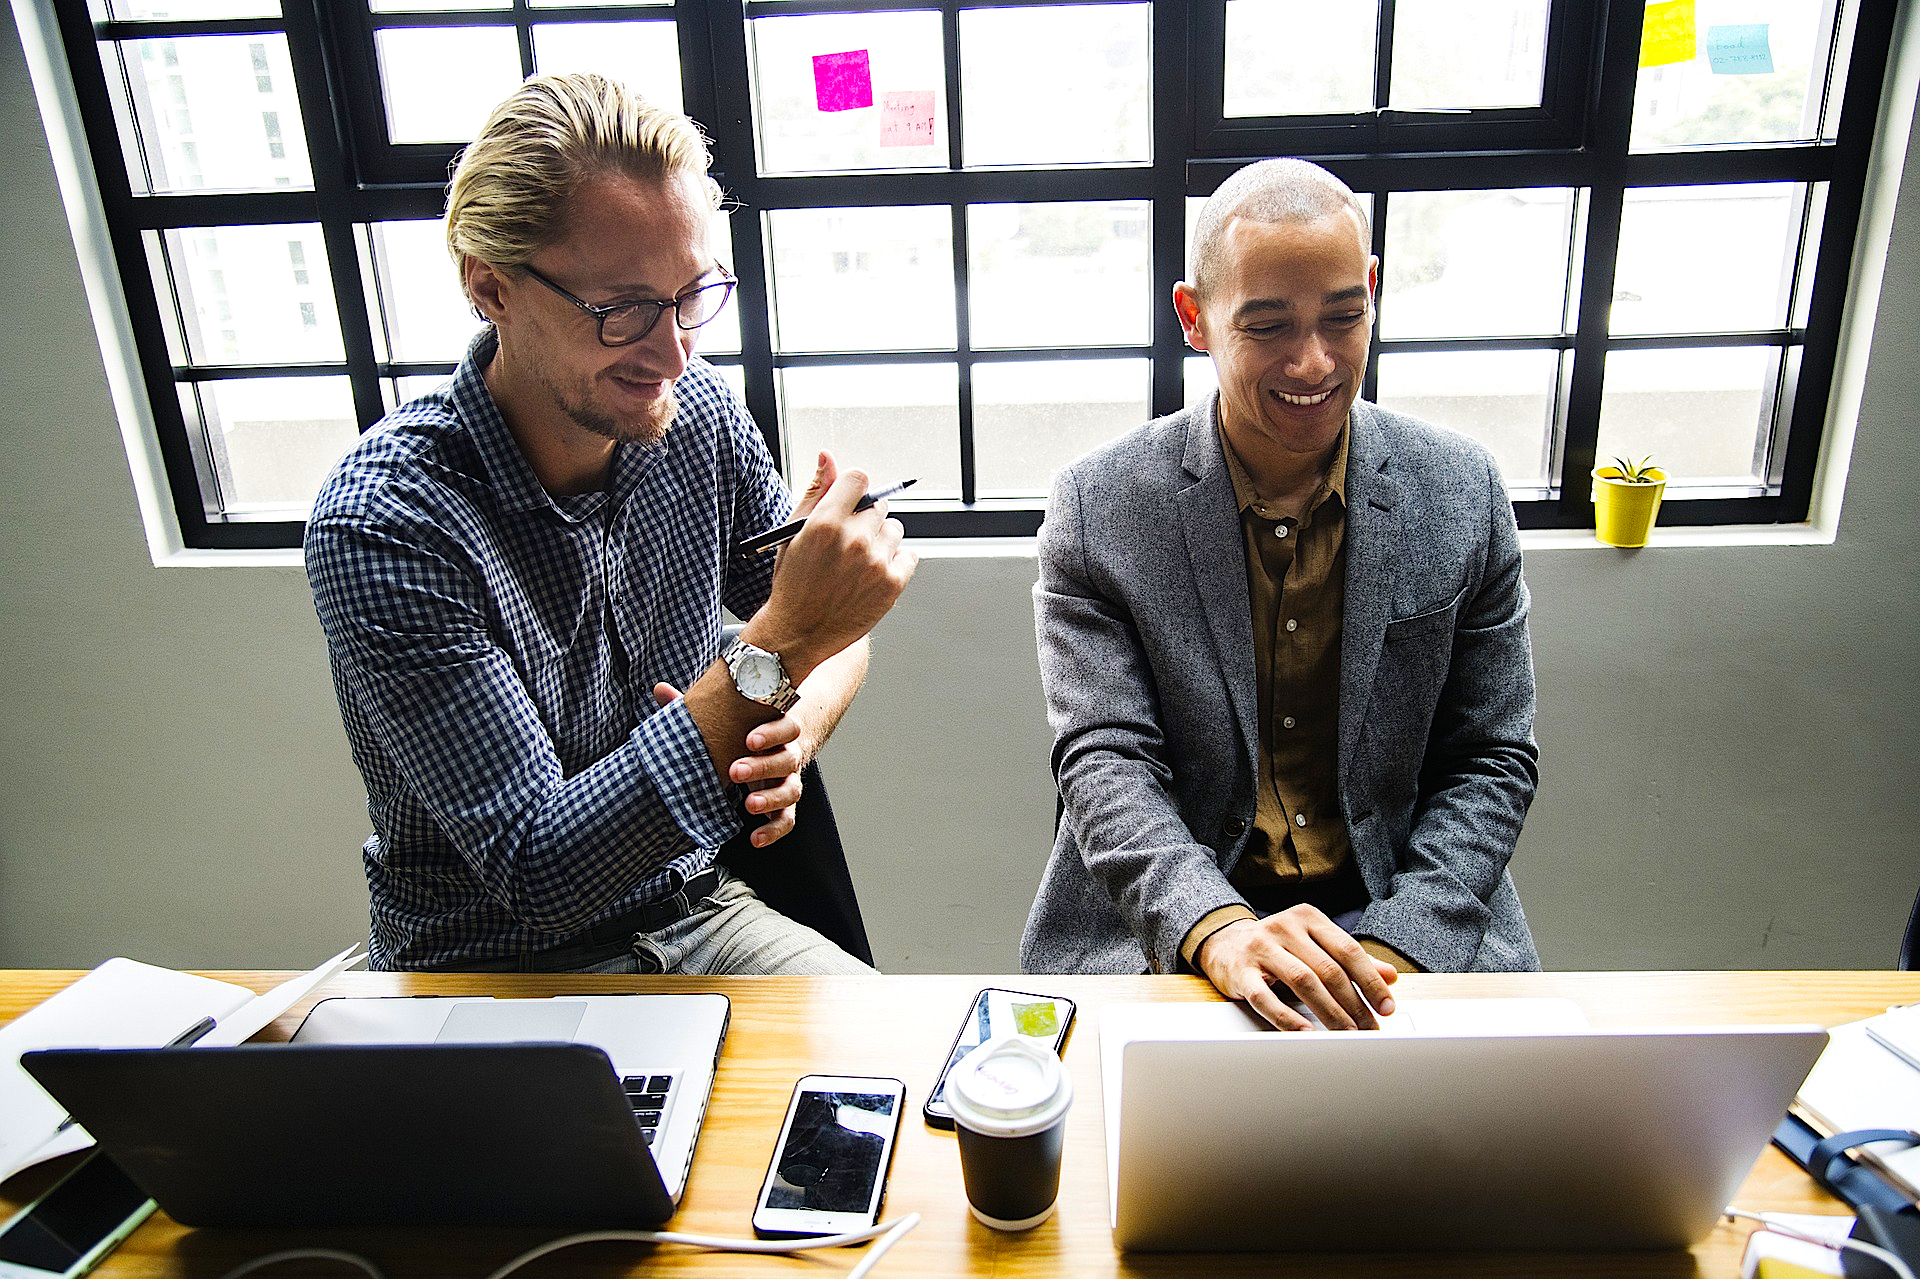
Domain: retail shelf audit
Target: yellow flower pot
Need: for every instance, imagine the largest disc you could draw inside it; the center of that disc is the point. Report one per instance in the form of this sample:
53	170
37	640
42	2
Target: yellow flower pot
1623	513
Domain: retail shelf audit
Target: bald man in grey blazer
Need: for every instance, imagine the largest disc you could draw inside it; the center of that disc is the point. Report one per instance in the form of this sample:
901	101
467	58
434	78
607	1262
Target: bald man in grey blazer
1283	638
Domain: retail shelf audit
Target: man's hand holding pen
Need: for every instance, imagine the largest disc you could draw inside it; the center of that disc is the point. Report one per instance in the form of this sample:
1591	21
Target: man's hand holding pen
837	578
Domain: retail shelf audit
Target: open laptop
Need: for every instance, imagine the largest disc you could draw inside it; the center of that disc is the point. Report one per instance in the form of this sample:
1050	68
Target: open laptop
576	1110
663	1048
1455	1137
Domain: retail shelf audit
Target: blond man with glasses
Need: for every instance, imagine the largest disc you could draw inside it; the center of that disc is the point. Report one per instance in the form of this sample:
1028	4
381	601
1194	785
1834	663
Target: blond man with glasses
521	577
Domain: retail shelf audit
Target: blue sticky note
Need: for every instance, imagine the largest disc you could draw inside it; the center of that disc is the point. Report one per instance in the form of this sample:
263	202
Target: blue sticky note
1739	49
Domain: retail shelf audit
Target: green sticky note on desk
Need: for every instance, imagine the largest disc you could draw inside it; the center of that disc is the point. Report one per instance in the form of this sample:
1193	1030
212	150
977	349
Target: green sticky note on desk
1037	1021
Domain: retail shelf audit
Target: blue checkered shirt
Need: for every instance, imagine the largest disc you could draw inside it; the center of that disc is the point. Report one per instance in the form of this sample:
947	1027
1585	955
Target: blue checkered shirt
494	649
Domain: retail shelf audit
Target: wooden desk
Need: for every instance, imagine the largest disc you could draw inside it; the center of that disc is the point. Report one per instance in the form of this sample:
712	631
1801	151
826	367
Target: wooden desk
784	1027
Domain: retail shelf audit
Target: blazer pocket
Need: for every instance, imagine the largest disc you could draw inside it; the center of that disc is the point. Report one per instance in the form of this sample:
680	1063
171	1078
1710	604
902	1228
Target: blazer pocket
1439	619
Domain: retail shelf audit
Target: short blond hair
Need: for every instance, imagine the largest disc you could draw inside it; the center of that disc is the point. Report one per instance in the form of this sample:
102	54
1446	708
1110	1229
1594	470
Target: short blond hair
512	186
1283	190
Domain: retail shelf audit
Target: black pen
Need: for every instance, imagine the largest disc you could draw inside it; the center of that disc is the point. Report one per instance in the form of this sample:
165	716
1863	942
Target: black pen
787	532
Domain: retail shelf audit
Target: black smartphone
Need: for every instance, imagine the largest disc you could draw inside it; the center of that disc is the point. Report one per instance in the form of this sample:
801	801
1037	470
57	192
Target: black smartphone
1000	1012
66	1231
829	1170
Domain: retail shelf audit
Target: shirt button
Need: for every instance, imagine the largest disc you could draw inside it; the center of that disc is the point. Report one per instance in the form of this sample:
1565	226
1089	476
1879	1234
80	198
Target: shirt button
1286	721
1299	819
1293	624
1279	530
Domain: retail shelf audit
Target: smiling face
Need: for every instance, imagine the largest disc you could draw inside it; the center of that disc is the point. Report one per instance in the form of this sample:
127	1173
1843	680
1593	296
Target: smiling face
624	240
1287	321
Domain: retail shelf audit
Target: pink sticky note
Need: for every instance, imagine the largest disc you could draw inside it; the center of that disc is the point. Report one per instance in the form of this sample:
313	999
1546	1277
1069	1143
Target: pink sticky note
842	81
906	118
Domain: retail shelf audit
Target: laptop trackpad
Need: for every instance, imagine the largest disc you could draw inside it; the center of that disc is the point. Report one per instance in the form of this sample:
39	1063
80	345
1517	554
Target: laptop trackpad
498	1021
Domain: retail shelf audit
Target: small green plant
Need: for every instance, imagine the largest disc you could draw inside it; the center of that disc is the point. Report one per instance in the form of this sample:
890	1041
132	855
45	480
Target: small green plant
1632	472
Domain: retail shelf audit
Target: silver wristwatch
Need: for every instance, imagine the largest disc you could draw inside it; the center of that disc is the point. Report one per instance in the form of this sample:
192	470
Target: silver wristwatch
760	676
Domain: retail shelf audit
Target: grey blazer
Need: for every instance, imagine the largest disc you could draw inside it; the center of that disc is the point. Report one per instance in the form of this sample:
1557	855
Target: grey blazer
1146	656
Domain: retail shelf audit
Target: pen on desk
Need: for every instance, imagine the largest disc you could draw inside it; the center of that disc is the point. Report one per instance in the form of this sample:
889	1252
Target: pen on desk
186	1038
787	532
192	1034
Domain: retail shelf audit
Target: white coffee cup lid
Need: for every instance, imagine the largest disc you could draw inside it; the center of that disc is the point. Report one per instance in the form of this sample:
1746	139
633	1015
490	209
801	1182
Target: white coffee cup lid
1010	1086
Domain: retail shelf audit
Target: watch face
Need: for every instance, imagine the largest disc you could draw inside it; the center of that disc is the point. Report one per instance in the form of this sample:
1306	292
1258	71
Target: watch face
757	674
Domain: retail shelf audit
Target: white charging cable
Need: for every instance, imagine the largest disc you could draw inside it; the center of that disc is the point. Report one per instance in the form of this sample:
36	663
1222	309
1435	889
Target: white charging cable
1773	1222
886	1234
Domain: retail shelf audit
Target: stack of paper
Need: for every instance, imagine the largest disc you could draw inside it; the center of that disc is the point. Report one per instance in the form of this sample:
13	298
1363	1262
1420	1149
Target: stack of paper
123	1004
1869	1077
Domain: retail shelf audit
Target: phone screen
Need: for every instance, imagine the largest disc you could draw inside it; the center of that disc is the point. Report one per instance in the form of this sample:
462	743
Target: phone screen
93	1205
1002	1012
834	1151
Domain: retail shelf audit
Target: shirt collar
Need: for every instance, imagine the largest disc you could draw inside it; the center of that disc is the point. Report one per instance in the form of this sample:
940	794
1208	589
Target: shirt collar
1246	497
508	471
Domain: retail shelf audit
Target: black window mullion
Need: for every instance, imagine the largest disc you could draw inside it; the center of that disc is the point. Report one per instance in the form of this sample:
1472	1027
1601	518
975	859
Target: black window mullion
1383	55
1173	125
713	51
962	309
326	152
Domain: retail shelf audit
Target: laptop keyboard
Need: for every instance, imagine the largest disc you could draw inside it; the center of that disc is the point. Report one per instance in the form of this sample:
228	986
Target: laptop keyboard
648	1095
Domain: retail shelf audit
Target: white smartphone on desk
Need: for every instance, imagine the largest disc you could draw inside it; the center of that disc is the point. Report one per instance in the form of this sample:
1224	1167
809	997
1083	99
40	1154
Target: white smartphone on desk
65	1232
829	1169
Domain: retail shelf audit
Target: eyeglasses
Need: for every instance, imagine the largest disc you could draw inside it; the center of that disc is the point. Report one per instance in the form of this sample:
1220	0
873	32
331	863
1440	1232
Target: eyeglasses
624	323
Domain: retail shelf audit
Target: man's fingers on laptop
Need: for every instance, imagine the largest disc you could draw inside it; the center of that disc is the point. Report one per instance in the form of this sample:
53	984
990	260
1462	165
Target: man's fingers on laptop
1262	999
1320	964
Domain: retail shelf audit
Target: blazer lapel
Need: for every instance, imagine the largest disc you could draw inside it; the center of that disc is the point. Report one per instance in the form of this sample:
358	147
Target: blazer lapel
1211	526
1373	536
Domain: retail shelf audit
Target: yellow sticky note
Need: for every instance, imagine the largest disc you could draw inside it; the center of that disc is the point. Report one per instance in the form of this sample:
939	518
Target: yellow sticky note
1669	34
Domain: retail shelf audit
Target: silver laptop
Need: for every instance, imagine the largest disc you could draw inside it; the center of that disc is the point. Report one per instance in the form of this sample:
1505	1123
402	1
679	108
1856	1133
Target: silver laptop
663	1047
1222	1135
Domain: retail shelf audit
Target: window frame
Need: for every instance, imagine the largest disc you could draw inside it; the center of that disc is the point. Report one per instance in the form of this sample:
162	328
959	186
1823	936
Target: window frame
1578	139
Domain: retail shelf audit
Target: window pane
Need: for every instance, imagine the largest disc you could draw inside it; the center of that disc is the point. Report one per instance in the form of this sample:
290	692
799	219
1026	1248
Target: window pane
212	112
191	10
1468	53
721	334
272	440
240	298
395	391
845	91
1706	259
1742	71
1065	85
1504	399
436	6
893	421
1702	415
1476	263
597	4
1032	418
1059	274
734	376
414	293
441	83
1199	378
645	55
1337	76
862	279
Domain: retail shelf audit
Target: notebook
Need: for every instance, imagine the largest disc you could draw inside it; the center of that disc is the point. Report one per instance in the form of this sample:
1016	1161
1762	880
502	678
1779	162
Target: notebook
1454	1137
295	1135
663	1048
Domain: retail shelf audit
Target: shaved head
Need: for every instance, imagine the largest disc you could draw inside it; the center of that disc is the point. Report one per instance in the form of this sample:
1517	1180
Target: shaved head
1269	191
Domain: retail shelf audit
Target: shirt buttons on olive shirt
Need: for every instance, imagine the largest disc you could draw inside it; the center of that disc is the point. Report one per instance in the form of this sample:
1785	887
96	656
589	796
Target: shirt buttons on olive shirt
1293	624
1286	721
1299	819
1279	530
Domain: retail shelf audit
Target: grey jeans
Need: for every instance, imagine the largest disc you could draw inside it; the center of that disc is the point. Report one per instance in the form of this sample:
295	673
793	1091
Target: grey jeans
733	932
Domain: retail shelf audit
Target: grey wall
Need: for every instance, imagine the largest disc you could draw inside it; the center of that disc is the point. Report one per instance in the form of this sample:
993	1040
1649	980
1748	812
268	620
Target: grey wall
1727	733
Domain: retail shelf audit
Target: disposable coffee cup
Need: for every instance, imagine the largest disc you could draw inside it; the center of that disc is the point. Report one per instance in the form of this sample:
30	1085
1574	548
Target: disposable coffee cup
1010	1098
